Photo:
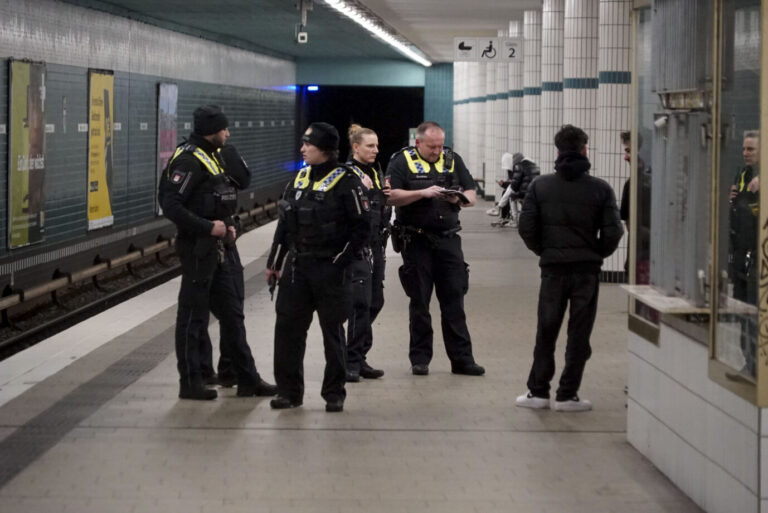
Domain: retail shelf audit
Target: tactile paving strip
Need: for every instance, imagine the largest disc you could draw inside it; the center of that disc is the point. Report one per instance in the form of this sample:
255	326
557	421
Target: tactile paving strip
42	432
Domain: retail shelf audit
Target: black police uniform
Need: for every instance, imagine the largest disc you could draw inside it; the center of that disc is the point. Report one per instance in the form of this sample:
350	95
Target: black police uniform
195	191
323	226
225	375
432	256
743	256
367	276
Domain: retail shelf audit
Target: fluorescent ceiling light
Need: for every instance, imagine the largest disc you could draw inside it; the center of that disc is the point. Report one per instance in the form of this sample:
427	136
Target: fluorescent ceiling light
374	28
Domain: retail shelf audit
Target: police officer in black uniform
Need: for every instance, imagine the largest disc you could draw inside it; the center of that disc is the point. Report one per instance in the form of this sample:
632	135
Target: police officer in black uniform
367	275
199	198
429	185
225	375
323	227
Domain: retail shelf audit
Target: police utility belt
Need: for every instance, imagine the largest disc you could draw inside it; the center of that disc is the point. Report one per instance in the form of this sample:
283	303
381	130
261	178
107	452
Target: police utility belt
403	234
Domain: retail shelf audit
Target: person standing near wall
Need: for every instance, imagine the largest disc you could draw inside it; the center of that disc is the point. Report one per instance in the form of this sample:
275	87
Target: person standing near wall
200	199
571	221
323	227
367	275
424	181
744	208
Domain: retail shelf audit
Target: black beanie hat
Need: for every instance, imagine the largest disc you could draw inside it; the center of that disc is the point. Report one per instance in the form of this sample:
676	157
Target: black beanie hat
322	135
209	119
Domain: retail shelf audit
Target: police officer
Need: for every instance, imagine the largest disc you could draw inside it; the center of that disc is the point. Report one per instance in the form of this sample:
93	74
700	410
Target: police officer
199	198
430	184
323	226
225	375
367	275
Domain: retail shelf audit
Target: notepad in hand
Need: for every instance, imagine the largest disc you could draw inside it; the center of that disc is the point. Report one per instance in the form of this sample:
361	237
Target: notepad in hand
459	194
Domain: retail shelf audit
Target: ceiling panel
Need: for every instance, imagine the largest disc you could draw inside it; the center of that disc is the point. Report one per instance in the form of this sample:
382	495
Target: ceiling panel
269	25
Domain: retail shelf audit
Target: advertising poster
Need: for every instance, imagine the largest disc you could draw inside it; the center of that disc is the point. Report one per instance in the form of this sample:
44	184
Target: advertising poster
167	97
26	153
100	160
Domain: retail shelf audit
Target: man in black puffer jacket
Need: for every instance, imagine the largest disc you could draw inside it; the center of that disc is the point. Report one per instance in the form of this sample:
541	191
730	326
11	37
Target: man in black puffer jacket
570	220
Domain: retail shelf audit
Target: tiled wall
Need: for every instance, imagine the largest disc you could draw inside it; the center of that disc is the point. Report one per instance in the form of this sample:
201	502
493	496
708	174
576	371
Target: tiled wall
580	81
553	20
438	97
703	437
70	40
613	104
490	147
500	118
531	83
515	101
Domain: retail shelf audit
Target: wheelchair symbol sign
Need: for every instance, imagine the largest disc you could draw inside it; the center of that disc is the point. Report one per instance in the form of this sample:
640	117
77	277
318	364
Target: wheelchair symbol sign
488	48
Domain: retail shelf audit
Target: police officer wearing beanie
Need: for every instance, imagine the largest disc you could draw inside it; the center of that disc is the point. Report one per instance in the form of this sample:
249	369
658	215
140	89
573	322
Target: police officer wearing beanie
323	227
197	195
425	180
224	375
366	276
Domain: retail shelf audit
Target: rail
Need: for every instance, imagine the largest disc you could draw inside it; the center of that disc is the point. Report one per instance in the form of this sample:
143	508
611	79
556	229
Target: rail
13	298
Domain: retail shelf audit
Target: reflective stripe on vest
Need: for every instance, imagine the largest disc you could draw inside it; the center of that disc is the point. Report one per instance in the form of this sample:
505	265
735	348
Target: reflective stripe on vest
326	184
210	164
361	174
419	166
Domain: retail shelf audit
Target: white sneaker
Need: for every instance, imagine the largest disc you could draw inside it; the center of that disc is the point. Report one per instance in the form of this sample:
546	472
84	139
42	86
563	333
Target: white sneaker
574	404
492	211
529	401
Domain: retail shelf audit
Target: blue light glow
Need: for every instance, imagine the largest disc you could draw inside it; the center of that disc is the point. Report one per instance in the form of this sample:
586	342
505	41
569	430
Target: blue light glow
313	88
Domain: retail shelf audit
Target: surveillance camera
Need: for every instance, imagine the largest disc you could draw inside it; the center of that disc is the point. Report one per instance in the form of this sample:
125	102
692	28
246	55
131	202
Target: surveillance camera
302	37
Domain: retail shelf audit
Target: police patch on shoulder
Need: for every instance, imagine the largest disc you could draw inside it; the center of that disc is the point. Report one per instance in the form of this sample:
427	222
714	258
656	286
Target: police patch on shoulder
178	176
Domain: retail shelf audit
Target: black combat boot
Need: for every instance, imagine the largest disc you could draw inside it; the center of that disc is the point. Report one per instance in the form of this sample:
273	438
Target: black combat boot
196	390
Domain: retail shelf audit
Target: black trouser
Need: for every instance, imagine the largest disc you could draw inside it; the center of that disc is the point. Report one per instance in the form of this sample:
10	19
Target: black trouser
745	289
367	282
557	290
208	285
308	285
224	366
436	263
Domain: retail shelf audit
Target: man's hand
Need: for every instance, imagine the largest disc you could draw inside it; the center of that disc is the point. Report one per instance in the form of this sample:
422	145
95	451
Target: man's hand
231	234
754	184
433	192
219	229
270	273
367	182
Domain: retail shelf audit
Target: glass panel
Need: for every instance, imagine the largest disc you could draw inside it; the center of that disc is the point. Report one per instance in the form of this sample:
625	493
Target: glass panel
738	197
648	104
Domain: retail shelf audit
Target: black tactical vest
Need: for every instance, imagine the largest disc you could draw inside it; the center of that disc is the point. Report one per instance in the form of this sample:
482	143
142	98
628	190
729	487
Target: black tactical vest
313	214
434	215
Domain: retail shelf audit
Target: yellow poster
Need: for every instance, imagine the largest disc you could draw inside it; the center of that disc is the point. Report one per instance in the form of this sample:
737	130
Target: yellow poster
100	130
26	154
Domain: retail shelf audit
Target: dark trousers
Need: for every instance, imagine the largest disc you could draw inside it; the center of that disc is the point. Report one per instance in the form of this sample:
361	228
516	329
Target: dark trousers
439	264
208	285
224	367
745	289
556	292
310	285
366	278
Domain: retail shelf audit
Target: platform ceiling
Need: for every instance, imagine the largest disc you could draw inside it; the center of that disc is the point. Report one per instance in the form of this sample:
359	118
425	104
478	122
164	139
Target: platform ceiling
269	26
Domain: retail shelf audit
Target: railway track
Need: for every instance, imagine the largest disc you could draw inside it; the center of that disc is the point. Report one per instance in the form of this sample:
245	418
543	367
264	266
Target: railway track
37	313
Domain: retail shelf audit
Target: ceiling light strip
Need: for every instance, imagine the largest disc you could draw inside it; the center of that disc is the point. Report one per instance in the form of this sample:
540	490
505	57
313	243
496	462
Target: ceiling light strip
371	26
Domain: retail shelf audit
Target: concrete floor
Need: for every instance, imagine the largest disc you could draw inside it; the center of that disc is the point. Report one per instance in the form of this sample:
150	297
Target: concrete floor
106	432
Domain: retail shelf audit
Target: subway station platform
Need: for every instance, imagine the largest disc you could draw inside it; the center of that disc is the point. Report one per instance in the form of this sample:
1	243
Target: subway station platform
90	420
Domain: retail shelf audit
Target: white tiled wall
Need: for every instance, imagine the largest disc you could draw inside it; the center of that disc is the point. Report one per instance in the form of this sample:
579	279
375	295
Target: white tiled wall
613	103
500	117
553	19
532	83
580	64
490	152
515	101
703	437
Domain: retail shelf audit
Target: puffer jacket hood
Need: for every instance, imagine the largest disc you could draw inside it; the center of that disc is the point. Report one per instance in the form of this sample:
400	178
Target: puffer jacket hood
571	165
